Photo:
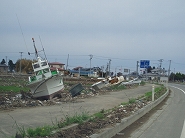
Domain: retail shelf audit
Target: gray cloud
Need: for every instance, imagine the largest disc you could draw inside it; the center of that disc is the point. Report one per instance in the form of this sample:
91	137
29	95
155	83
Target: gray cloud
131	30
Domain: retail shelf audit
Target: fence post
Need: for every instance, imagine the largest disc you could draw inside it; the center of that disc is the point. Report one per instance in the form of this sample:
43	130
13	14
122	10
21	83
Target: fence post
152	93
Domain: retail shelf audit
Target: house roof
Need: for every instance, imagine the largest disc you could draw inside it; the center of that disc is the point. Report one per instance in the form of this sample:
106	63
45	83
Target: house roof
77	68
53	68
3	65
56	63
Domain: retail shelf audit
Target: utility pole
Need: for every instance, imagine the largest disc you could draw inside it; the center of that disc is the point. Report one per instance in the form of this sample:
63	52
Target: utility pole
20	61
174	75
6	60
102	68
160	65
161	60
169	70
109	66
107	70
137	66
91	56
7	65
67	61
115	72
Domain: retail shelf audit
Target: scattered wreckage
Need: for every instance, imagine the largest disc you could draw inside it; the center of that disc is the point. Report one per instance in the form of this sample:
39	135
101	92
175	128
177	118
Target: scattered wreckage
113	81
107	82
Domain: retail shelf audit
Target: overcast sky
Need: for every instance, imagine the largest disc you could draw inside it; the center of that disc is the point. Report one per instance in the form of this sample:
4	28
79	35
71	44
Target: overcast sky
125	31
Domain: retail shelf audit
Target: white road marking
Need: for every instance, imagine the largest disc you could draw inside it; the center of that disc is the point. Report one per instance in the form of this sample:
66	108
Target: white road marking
183	129
179	89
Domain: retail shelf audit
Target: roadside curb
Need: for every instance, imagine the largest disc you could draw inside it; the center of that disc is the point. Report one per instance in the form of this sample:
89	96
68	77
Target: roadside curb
110	132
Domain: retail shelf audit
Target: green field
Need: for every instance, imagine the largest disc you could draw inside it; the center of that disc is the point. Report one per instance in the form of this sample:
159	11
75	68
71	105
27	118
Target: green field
13	89
13	84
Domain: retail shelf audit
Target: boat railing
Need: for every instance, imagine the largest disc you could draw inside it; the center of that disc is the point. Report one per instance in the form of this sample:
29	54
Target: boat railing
54	72
39	75
32	78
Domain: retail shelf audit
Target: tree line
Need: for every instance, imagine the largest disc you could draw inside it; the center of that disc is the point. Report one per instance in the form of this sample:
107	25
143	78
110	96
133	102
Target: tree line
177	77
25	65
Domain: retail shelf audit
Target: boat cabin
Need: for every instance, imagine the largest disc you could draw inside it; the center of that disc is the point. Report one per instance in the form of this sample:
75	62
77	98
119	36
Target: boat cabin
41	70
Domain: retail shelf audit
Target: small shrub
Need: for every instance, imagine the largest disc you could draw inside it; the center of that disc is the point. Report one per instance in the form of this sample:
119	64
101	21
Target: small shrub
40	131
117	87
142	83
125	103
74	119
148	96
132	100
99	115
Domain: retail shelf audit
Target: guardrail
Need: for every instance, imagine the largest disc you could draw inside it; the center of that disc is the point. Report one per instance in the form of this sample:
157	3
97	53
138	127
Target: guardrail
110	132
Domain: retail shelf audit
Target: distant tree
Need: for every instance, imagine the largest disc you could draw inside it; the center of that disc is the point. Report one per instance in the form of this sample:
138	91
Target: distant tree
11	65
178	76
149	69
26	65
3	61
172	76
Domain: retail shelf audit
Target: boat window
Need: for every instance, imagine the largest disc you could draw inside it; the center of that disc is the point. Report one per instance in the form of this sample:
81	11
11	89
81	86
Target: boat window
46	70
36	66
43	63
38	72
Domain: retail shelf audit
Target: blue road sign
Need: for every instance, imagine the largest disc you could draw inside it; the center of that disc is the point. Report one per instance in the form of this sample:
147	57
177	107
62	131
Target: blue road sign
144	63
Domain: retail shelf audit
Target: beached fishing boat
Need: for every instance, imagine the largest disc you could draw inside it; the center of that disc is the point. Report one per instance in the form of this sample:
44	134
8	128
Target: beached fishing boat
45	83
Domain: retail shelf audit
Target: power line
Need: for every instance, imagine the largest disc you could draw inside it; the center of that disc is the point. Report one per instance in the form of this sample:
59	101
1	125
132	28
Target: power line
20	61
22	32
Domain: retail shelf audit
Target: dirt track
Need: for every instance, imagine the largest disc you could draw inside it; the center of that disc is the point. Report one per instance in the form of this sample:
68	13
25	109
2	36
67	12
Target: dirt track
39	116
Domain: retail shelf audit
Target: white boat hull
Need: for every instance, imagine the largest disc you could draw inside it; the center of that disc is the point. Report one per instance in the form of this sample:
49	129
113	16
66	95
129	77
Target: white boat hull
47	88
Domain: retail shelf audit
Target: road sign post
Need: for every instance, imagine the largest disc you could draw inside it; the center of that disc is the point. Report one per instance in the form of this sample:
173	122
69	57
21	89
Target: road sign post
144	63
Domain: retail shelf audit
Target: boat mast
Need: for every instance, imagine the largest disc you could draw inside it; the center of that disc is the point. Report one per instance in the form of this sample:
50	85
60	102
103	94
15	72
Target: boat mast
36	53
43	49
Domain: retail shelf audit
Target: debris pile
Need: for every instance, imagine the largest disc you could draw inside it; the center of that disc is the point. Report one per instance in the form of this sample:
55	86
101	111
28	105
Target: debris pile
110	119
10	101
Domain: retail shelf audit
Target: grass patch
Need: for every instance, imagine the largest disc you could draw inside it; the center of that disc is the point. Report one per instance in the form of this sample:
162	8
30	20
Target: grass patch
99	115
47	130
158	92
132	100
40	131
12	89
142	83
73	119
117	87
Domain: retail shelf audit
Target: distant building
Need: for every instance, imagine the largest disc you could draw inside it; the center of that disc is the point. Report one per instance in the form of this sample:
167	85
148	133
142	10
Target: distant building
158	74
80	71
57	65
3	68
159	71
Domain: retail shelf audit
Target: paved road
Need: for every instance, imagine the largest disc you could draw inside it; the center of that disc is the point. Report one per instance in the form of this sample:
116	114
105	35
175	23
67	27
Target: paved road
169	122
39	116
